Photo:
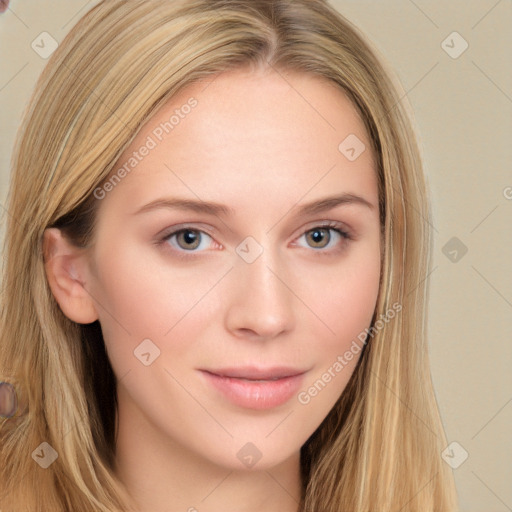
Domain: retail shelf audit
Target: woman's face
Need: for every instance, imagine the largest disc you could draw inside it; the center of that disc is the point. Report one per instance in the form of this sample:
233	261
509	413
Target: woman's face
235	259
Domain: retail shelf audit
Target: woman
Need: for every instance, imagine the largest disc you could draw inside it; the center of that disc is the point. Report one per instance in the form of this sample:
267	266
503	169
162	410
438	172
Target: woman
215	276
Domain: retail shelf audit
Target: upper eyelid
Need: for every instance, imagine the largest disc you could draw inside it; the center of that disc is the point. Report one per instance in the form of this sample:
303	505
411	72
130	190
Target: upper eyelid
172	230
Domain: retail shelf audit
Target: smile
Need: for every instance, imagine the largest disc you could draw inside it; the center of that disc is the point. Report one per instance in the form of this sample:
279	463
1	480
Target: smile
254	388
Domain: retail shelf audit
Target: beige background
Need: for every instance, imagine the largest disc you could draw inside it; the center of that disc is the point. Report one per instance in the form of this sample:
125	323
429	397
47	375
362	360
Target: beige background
463	110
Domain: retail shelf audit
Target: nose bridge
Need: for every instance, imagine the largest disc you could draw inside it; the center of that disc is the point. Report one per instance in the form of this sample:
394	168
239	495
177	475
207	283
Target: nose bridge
261	302
261	277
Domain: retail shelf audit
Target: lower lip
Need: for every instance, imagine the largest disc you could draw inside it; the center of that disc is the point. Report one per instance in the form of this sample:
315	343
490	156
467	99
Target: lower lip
253	394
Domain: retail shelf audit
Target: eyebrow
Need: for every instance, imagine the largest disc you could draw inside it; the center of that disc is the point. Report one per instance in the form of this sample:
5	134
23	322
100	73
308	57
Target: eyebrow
216	209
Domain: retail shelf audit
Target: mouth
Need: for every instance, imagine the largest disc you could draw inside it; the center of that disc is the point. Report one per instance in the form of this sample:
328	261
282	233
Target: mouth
255	388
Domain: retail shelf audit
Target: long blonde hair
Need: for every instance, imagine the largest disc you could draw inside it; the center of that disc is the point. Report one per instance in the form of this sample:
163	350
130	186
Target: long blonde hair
379	449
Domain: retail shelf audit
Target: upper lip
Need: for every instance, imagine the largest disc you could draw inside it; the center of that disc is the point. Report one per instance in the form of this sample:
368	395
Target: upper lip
255	373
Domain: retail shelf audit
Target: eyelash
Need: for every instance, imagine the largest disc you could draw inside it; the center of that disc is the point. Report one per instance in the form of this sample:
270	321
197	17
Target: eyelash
330	226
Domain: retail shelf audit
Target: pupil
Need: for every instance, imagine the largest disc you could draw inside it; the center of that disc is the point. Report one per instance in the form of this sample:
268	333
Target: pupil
190	239
319	237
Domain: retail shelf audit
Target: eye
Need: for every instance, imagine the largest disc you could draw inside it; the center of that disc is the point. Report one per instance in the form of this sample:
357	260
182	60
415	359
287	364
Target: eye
323	237
191	240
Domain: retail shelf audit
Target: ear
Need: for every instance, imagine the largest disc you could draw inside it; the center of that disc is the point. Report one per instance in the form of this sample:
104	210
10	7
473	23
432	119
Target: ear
66	268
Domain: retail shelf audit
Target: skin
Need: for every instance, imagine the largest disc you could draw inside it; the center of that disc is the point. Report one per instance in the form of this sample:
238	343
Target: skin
8	400
263	144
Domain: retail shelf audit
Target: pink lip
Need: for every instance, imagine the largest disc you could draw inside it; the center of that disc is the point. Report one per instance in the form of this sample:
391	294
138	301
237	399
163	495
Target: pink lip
256	388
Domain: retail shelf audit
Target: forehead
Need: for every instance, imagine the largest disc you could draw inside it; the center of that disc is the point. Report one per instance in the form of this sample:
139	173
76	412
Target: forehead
256	109
255	130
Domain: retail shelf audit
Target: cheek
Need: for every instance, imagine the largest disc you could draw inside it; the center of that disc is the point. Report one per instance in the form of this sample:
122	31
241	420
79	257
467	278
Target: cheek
346	303
142	295
344	299
351	304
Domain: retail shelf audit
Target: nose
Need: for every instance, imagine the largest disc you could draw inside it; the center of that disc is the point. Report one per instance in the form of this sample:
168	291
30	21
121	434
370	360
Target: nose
261	301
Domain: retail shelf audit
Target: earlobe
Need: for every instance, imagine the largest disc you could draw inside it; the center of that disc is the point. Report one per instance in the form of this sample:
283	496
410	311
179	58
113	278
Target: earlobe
65	267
